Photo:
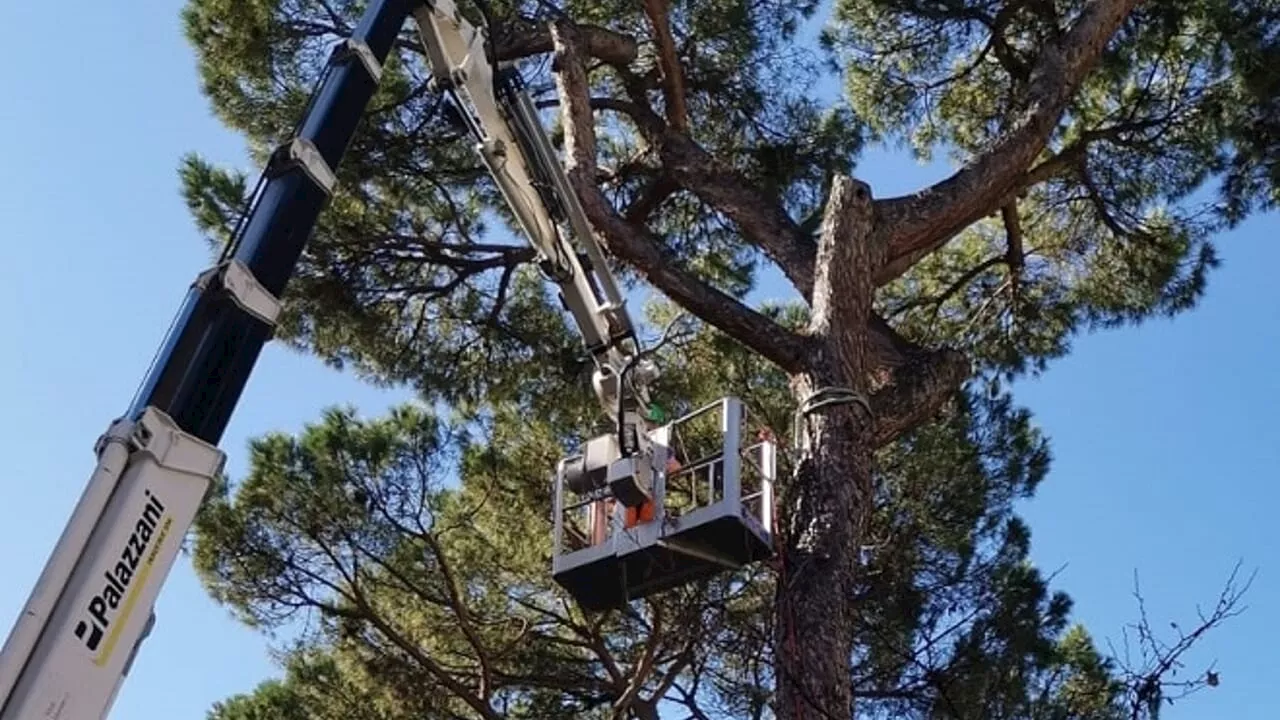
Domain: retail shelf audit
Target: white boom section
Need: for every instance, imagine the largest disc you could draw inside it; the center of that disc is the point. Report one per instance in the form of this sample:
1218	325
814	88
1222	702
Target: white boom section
76	637
515	148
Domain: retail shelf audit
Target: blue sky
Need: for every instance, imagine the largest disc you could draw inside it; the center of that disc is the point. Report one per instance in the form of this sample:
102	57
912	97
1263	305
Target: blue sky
1164	440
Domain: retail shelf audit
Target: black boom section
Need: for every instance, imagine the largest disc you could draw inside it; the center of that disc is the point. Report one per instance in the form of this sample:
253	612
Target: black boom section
207	358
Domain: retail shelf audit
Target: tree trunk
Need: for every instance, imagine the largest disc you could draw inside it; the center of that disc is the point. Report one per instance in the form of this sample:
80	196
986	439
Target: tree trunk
827	504
826	511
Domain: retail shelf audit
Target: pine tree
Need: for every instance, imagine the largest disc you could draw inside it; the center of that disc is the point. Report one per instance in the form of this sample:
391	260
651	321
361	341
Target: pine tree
389	549
1088	135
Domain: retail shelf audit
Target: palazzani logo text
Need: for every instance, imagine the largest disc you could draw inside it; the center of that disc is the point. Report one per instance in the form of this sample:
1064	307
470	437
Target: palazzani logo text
130	570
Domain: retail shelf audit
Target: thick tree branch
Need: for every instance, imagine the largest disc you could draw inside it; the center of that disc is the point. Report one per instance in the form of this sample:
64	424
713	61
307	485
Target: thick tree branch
669	60
634	244
915	390
1014	256
596	642
644	668
654	195
672	673
762	221
522	40
917	224
910	383
1067	161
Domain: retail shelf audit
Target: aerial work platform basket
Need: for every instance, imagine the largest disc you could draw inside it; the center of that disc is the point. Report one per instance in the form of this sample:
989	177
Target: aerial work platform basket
711	510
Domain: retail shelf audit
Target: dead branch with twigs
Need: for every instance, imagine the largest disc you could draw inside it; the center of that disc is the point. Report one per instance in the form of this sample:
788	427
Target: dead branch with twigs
1149	664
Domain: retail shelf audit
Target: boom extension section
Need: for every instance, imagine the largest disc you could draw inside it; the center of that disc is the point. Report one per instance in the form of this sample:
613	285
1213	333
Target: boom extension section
511	141
75	639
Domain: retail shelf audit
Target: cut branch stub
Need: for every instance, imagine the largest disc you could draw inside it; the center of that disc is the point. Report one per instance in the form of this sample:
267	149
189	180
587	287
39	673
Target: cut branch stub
848	253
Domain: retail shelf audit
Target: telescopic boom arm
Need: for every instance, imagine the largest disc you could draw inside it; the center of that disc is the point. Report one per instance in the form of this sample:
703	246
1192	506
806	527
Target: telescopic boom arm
511	141
93	604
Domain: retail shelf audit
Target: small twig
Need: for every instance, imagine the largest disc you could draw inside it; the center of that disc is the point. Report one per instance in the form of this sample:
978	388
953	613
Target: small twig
1148	683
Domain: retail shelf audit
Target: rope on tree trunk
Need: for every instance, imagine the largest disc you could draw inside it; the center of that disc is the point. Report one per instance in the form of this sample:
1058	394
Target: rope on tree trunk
826	396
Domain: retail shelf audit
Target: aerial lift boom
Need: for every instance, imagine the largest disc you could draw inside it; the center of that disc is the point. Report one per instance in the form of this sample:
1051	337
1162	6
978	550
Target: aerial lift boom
93	604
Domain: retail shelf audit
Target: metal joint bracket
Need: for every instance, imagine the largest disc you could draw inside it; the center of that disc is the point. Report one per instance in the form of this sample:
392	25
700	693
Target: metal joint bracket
615	317
351	46
303	153
159	436
495	149
249	293
244	288
120	431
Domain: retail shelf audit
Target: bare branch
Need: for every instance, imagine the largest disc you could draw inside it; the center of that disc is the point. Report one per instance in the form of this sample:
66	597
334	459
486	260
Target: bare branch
1149	682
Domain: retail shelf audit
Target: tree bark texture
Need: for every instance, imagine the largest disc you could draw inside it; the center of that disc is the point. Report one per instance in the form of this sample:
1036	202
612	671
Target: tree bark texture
827	504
